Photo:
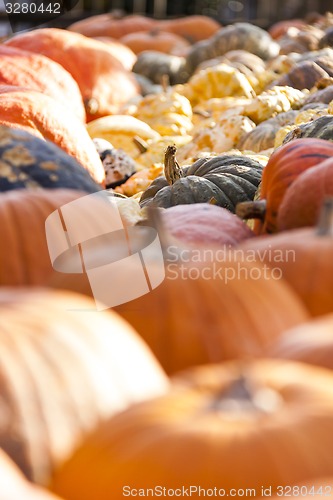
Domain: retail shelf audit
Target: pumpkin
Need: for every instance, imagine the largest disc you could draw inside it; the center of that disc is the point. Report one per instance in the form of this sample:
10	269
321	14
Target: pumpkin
216	306
218	137
323	95
302	202
120	130
112	25
311	342
45	118
162	41
218	81
272	102
118	165
34	71
262	137
168	112
140	181
301	40
24	257
303	75
194	27
13	485
227	179
72	377
120	51
327	38
155	65
321	128
219	427
204	224
303	256
90	63
29	162
243	36
283	167
280	28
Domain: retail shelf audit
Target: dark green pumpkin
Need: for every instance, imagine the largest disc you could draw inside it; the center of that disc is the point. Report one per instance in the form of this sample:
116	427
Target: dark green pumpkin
321	128
226	180
29	162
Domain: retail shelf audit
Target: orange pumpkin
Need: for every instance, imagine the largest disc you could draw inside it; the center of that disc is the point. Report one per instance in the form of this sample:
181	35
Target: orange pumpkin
162	41
311	342
120	51
14	486
112	25
36	72
64	367
220	427
24	256
304	258
210	310
103	81
44	117
302	202
194	28
285	164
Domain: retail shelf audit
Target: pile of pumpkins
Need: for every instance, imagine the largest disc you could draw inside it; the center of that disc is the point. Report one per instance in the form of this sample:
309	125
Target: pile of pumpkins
219	381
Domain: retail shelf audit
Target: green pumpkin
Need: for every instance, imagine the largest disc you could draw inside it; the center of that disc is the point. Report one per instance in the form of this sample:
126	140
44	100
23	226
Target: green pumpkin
29	162
224	180
321	128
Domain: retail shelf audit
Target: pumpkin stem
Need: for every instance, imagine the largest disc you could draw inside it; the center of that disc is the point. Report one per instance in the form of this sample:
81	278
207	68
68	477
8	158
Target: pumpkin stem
325	224
91	105
165	82
251	209
172	169
141	144
243	395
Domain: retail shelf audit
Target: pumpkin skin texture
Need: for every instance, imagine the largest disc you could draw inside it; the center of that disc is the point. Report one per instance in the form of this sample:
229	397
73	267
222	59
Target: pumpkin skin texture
196	316
64	346
24	258
13	484
204	224
36	72
29	162
45	118
228	179
321	128
211	414
303	200
308	268
284	166
161	41
76	53
311	342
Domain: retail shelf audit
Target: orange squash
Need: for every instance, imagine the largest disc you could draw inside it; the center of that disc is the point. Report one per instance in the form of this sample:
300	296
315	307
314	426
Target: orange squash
162	41
230	428
44	117
64	368
120	51
36	72
103	81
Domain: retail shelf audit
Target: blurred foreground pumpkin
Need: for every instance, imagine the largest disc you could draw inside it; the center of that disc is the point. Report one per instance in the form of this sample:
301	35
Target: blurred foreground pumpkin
212	306
64	367
219	427
45	118
13	485
104	86
311	342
